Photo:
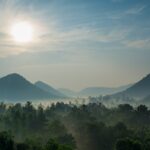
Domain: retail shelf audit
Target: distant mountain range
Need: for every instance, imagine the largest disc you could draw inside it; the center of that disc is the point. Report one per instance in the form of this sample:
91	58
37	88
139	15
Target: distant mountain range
139	91
16	87
94	91
68	92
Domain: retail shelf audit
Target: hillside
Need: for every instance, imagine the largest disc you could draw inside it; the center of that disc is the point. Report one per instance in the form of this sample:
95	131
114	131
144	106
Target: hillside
94	91
16	87
49	89
139	90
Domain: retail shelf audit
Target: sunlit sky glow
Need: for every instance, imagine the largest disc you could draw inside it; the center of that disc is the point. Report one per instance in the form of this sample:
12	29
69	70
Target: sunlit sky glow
22	32
78	43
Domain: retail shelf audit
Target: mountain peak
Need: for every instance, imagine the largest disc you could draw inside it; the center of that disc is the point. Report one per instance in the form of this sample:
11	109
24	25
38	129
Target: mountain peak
16	87
13	79
13	76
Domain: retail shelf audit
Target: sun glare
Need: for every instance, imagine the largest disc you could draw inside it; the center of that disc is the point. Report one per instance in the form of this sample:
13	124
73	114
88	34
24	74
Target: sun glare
22	32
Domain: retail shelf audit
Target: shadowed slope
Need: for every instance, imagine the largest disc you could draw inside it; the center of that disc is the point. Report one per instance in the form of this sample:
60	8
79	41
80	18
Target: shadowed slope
16	87
49	89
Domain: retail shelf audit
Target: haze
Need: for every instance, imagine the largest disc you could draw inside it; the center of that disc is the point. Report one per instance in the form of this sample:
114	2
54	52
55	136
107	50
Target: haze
79	43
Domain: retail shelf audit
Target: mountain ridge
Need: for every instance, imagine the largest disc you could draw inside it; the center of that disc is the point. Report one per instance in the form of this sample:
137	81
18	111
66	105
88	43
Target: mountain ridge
94	91
139	90
46	87
16	87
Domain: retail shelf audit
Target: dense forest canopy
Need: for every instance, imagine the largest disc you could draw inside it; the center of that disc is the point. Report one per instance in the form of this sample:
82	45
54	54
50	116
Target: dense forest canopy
69	127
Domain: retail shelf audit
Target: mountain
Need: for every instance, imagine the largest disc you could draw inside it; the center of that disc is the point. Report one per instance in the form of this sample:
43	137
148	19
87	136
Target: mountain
16	87
49	89
139	90
94	91
68	92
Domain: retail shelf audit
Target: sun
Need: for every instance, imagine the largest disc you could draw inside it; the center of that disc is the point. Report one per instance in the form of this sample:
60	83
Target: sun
22	32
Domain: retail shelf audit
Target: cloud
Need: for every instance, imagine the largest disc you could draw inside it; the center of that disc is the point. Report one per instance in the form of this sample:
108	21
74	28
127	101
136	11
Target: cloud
114	35
53	36
7	51
8	46
135	10
56	40
142	43
86	34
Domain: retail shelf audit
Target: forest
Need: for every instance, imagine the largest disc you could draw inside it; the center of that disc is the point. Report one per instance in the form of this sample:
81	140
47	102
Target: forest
63	126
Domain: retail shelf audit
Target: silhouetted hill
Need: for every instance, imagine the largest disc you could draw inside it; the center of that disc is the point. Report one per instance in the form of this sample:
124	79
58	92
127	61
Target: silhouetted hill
16	87
94	91
49	89
139	90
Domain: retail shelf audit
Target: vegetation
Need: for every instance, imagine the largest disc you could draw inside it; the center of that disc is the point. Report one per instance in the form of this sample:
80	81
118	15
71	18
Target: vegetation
69	127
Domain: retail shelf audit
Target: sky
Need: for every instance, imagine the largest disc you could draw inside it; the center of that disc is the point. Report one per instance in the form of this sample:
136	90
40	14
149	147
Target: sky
77	44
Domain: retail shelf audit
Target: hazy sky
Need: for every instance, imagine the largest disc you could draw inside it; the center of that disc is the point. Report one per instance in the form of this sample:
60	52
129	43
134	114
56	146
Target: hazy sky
77	43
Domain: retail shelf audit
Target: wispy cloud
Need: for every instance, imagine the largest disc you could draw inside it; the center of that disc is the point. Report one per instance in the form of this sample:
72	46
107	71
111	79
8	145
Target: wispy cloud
76	38
87	34
114	35
53	38
143	43
135	10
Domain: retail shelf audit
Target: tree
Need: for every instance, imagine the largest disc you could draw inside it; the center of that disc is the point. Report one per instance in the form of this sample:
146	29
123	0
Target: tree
22	146
142	109
128	144
125	108
51	145
6	141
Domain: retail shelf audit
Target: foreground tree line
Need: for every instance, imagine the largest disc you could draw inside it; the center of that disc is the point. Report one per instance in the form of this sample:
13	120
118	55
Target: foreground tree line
7	143
70	127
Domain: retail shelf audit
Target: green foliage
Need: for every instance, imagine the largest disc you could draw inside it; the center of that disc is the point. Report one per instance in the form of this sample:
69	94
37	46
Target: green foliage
6	142
69	127
51	145
128	144
22	146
